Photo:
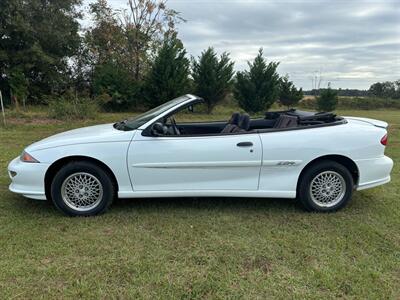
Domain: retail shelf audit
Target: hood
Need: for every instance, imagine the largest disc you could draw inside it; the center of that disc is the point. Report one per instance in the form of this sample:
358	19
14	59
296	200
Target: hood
92	134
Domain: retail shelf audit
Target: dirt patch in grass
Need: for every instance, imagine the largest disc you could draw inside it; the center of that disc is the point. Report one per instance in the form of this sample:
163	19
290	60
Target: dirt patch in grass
257	263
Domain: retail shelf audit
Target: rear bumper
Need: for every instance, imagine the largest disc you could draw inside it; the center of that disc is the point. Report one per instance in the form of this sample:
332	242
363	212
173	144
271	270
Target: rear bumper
374	172
27	179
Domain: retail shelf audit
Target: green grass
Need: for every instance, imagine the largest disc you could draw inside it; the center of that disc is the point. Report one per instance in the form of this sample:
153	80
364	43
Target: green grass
198	248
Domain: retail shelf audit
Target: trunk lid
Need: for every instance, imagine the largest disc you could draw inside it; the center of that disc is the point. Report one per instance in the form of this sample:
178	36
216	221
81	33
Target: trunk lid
376	123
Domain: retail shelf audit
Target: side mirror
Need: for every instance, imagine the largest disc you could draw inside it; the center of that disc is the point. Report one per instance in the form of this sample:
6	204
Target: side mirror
158	129
190	108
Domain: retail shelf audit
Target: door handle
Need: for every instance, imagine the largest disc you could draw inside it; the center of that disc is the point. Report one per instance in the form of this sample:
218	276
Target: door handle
244	144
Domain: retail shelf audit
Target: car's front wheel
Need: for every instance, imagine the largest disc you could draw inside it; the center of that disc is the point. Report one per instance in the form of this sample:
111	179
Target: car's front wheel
325	186
82	189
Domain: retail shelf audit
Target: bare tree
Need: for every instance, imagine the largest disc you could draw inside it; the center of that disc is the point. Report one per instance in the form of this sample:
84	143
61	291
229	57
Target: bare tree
146	23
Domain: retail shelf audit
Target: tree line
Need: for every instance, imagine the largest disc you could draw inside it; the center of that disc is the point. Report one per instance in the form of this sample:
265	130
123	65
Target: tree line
341	92
385	90
130	59
125	59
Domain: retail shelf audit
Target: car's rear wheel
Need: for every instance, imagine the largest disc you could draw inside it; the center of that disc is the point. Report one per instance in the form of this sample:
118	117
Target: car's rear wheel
82	189
325	186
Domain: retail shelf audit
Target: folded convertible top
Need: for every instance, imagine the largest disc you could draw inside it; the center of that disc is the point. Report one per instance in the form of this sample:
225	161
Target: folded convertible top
303	117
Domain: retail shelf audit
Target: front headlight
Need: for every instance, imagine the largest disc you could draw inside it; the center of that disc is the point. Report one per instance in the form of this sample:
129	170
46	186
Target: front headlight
26	157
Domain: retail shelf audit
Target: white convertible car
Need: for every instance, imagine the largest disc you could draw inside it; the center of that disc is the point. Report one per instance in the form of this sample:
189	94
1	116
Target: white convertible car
319	158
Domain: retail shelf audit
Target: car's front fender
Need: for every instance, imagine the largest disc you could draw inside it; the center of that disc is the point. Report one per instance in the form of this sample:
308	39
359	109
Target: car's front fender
111	154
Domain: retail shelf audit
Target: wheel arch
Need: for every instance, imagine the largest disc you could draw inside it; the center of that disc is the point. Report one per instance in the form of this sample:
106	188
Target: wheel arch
341	159
58	164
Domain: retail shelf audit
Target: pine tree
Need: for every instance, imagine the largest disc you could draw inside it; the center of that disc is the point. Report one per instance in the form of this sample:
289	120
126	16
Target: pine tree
169	74
288	94
257	89
212	77
327	100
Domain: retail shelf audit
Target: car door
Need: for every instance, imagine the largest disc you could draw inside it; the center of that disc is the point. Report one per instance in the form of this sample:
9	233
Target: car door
285	152
175	163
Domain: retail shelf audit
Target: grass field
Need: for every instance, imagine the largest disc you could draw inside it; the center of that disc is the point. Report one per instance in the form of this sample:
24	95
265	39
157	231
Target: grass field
198	248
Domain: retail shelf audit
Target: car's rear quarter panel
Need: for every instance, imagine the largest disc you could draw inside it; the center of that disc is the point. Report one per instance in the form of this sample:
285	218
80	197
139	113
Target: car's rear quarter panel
287	153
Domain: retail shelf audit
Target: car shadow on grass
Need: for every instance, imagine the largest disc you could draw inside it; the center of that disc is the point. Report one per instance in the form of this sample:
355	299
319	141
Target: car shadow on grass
19	205
205	203
23	205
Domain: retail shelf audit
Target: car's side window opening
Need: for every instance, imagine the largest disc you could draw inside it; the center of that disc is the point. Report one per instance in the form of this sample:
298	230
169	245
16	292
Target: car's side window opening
194	113
200	123
176	124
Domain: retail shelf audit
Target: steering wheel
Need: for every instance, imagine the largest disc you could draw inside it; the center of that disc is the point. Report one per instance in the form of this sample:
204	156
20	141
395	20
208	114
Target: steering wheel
174	127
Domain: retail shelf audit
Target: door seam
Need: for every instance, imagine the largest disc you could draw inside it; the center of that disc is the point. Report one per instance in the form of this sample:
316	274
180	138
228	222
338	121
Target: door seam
261	163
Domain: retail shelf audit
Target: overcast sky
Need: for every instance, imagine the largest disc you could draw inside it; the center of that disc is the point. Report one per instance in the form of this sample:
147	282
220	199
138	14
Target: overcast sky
352	43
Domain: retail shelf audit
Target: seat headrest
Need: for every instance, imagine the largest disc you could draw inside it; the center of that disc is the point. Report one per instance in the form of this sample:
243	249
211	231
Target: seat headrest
244	122
234	120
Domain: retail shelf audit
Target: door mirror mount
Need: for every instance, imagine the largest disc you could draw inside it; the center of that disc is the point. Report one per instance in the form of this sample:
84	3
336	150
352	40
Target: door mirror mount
158	129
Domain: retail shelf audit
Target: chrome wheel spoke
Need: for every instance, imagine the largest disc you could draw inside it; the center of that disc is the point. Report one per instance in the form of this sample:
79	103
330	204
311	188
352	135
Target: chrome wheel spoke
82	191
327	189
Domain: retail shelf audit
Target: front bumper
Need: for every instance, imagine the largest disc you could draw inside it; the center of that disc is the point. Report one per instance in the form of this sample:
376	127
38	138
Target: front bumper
27	178
374	172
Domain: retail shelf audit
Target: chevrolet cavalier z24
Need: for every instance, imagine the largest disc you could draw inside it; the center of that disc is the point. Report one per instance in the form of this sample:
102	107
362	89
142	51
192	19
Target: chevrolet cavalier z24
319	158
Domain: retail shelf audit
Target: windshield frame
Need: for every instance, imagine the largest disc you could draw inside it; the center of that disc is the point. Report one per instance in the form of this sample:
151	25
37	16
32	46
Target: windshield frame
159	111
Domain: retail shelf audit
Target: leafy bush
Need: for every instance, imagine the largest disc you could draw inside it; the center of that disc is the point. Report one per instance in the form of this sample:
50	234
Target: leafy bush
72	109
327	100
114	87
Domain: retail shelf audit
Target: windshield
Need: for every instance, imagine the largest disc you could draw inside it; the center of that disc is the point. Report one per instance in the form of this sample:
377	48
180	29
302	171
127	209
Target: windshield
136	122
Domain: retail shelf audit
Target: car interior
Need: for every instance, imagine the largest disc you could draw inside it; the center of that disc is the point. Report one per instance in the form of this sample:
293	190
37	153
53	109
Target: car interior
242	123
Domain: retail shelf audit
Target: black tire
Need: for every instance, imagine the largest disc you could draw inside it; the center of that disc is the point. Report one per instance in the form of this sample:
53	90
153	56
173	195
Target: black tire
310	200
104	195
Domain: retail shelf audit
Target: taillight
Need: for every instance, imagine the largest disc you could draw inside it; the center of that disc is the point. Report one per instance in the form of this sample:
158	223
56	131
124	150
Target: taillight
384	140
